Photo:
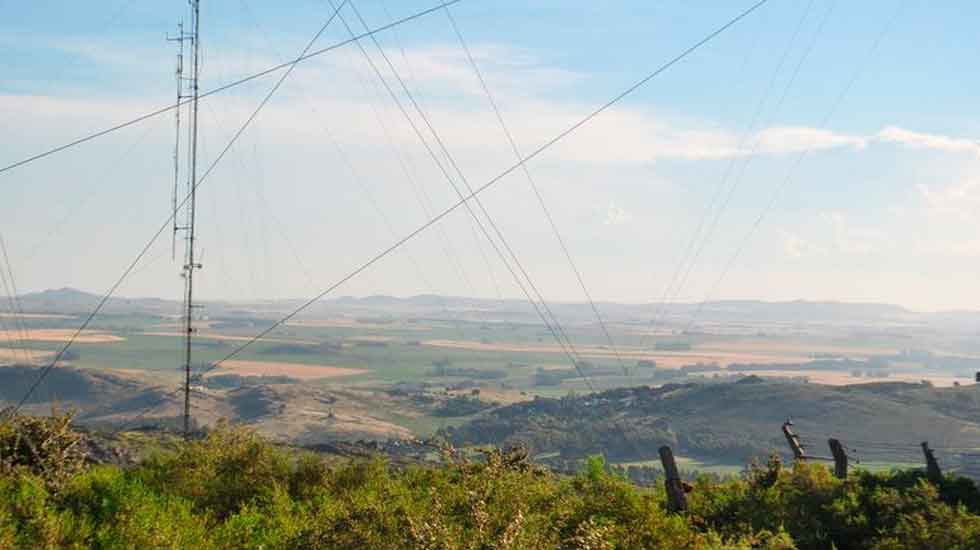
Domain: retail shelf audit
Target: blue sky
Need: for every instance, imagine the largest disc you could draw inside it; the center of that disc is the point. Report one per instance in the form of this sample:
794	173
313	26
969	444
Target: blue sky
876	195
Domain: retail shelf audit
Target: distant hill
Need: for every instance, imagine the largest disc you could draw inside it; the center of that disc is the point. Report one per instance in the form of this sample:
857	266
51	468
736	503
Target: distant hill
59	300
722	311
729	312
71	300
734	421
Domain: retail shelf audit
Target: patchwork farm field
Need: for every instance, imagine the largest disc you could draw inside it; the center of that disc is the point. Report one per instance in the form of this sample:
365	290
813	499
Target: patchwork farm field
401	370
379	346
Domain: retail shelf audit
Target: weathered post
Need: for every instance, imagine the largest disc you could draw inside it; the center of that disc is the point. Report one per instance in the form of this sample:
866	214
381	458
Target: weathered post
676	500
840	458
794	441
933	472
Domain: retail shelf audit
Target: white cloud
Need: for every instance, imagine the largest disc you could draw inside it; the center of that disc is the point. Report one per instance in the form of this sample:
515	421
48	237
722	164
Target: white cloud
790	139
446	86
918	140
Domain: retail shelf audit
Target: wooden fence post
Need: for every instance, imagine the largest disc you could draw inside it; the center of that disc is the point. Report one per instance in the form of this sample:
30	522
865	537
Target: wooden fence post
794	441
933	472
676	500
840	458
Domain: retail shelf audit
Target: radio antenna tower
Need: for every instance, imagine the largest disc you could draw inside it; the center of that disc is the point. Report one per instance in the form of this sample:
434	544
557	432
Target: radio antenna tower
187	88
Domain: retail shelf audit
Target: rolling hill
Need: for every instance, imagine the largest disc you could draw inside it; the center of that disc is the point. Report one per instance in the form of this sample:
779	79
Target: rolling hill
734	422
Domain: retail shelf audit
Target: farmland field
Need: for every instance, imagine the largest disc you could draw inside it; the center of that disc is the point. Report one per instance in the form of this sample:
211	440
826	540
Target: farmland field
379	346
292	370
398	369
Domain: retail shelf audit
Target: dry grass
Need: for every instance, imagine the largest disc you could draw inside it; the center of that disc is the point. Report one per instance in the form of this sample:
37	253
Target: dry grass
785	347
559	366
36	315
665	359
361	423
177	325
18	354
293	370
833	378
591	351
229	337
370	338
504	397
64	334
347	322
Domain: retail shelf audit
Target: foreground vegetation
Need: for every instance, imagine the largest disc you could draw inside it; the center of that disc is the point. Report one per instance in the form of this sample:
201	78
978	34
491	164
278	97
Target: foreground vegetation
232	489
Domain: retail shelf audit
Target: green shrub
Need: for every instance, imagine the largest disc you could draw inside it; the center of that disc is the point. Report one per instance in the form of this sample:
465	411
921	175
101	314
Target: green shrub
235	490
125	513
220	473
44	446
28	518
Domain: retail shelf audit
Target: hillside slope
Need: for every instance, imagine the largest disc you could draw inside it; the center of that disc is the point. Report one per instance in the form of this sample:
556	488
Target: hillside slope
286	411
734	421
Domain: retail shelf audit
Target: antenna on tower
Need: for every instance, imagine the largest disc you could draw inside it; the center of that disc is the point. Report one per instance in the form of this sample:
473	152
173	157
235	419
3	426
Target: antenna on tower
179	73
187	88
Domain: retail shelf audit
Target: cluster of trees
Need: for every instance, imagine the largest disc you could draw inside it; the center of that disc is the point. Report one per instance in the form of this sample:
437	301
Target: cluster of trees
933	361
672	345
443	367
553	377
232	489
233	381
323	348
574	426
857	373
462	405
721	421
871	364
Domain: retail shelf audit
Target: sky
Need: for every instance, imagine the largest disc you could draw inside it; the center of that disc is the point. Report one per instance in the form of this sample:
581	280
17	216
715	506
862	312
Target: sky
818	149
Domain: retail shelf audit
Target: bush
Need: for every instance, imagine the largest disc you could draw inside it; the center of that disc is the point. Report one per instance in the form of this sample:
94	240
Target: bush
43	446
221	473
892	510
235	490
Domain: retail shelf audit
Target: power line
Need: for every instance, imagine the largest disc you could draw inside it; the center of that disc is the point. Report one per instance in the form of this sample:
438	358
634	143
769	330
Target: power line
534	154
755	146
660	308
490	271
14	342
112	166
698	242
553	326
376	205
561	333
365	189
15	296
224	87
777	192
533	185
47	369
15	309
425	200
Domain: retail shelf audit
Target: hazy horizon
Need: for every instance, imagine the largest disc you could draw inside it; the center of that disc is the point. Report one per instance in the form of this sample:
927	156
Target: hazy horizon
807	107
678	303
